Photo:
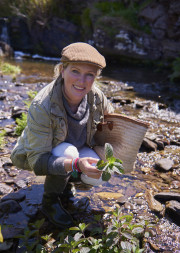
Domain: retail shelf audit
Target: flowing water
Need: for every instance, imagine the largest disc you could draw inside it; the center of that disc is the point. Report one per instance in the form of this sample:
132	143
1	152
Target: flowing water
143	93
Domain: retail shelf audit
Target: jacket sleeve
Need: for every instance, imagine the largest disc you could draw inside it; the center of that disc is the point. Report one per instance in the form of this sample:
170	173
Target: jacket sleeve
38	143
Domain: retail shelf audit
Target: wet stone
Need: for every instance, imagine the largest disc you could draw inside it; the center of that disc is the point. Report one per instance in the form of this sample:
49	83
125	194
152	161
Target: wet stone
21	183
150	145
173	210
5	189
31	211
153	204
9	232
166	196
14	196
9	206
164	164
6	245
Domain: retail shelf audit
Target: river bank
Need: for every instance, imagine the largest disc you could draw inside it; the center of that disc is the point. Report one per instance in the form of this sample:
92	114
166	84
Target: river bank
150	192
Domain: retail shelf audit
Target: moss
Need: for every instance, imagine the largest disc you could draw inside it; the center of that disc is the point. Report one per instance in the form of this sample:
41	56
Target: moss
175	76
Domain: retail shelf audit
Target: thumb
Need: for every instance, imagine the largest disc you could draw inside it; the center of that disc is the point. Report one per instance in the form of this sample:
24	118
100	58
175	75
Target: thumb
92	160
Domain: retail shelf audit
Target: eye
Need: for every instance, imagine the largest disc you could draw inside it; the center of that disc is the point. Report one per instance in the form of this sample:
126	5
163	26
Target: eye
90	75
75	71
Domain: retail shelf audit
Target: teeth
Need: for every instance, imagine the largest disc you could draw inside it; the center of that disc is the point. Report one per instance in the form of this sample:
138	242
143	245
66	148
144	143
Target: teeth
79	88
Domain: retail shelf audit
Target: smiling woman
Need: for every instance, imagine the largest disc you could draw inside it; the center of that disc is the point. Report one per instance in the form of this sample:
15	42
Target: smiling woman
62	121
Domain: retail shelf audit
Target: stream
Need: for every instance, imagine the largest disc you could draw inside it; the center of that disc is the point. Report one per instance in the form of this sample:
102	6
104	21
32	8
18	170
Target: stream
151	191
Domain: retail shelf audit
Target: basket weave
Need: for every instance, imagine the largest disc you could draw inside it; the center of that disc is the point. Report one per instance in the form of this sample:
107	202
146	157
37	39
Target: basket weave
124	134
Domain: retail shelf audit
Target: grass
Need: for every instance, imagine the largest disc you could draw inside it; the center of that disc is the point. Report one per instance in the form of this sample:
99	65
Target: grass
2	141
9	69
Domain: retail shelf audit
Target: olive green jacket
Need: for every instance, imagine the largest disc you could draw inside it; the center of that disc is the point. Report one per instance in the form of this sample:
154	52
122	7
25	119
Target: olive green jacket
47	126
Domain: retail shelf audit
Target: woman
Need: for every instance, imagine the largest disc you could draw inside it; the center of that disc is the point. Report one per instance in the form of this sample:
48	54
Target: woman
61	123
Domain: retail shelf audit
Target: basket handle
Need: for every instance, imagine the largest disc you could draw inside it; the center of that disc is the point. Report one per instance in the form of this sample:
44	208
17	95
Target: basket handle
109	124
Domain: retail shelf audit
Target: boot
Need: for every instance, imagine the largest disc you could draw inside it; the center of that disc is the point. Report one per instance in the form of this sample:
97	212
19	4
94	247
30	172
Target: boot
54	211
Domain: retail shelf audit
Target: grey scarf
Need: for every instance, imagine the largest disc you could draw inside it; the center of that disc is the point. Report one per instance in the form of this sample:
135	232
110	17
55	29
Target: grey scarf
77	123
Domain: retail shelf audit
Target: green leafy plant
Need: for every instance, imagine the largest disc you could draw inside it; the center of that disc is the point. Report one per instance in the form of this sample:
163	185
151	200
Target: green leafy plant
2	141
9	69
21	124
111	165
120	234
31	240
1	236
176	70
22	121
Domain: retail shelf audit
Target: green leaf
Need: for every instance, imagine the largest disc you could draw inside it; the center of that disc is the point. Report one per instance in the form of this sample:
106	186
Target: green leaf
108	151
106	176
127	235
118	161
101	165
138	230
84	250
1	236
74	228
83	226
78	236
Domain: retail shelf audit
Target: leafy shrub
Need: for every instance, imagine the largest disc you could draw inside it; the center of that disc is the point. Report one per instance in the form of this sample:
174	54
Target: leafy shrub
2	141
9	69
21	124
116	233
176	70
22	121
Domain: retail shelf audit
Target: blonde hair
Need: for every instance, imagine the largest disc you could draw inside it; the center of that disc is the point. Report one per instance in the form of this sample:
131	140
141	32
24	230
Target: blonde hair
60	66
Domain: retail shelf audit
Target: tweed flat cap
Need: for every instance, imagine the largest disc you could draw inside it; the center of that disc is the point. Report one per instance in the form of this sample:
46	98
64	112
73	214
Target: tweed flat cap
82	52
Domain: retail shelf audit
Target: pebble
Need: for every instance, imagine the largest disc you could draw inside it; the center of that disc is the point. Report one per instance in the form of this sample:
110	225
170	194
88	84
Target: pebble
164	164
173	210
5	189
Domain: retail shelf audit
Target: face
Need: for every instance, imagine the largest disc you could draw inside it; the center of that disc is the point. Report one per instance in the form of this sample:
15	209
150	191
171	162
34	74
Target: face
78	81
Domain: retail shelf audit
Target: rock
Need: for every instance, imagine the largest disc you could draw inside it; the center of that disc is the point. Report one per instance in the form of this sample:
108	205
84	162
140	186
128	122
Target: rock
9	206
6	245
166	196
122	200
14	196
5	189
6	50
9	232
150	145
164	164
21	183
17	112
153	204
173	210
108	195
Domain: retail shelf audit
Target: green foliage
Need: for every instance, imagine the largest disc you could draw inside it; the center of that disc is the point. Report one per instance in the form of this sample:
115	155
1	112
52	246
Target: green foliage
9	69
116	233
176	70
1	236
31	241
129	12
112	165
22	121
21	124
2	141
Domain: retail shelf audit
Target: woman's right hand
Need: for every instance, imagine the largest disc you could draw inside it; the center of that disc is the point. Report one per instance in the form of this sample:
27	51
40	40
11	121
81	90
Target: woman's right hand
86	165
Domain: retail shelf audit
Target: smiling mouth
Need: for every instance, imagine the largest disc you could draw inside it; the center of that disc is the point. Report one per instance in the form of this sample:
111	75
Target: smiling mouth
78	88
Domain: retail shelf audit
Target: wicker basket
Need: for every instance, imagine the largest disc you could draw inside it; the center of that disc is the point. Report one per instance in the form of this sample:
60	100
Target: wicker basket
125	134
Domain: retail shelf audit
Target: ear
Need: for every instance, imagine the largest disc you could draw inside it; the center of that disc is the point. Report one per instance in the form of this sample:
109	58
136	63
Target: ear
62	73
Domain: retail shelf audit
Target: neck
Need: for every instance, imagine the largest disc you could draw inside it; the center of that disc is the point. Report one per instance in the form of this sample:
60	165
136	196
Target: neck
73	105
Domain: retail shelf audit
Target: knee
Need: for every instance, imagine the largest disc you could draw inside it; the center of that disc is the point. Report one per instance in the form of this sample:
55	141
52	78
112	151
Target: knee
65	150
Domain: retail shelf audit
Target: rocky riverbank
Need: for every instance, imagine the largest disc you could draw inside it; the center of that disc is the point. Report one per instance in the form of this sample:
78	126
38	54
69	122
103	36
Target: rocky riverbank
150	192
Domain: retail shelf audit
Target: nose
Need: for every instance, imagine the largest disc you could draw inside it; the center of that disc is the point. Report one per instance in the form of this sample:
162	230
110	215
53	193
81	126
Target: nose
82	79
